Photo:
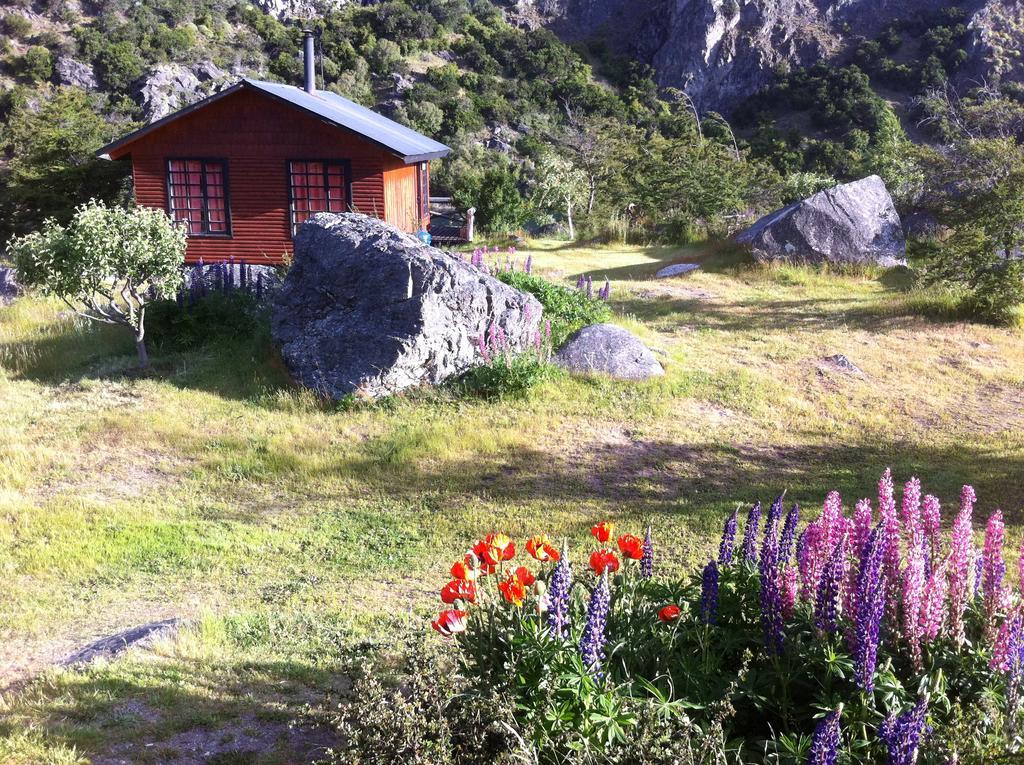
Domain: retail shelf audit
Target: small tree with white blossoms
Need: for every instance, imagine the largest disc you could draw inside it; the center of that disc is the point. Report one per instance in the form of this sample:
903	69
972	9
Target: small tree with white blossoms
562	185
107	263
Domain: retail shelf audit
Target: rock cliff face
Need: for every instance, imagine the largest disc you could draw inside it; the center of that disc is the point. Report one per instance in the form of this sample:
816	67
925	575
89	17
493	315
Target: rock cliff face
721	51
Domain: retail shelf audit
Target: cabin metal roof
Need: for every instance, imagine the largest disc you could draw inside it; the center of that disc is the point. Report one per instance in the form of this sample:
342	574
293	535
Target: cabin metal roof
329	107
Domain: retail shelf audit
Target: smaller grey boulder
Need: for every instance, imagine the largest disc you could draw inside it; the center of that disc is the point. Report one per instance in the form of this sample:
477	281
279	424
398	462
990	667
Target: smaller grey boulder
677	269
610	350
72	72
853	223
9	287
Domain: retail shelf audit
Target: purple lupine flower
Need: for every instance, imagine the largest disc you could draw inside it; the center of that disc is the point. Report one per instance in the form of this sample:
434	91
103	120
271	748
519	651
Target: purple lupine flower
590	287
870	609
787	586
1008	658
647	560
725	547
826	604
709	593
593	637
789	534
859	536
801	546
559	589
979	571
993	568
810	558
749	546
825	742
891	531
529	264
902	734
581	283
771	594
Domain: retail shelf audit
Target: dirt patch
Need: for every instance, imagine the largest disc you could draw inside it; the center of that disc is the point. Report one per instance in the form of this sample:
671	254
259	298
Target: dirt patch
242	741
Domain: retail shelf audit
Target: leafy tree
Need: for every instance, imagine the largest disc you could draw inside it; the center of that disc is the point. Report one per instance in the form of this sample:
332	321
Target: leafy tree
106	264
52	167
562	185
119	64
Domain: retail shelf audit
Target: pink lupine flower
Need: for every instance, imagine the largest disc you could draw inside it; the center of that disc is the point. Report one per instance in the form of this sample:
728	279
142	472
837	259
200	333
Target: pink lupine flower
960	553
831	519
913	597
1009	643
811	560
891	539
932	519
934	611
859	532
787	586
993	567
1020	567
481	346
910	513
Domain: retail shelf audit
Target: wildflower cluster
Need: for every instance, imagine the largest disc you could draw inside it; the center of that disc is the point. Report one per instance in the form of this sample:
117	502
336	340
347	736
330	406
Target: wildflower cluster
585	284
804	622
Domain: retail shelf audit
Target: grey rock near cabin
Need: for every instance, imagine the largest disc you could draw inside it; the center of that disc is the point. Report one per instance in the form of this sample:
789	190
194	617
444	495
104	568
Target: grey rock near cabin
9	287
168	87
370	310
610	350
677	269
853	223
72	72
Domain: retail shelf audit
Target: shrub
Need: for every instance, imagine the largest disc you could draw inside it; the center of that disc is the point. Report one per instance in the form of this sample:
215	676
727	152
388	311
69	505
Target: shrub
506	371
567	309
181	326
886	642
17	26
37	64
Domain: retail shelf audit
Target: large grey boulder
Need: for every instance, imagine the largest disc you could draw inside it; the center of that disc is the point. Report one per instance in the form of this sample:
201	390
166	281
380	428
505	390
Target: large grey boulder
70	71
370	310
610	350
168	87
851	223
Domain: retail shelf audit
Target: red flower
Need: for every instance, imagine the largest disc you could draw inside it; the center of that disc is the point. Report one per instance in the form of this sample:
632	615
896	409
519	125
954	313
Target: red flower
631	546
495	548
458	589
513	590
669	613
524	575
602	531
604	559
463	570
540	547
450	622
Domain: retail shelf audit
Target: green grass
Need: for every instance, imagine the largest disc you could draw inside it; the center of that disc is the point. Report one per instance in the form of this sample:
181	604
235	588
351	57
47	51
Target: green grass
287	530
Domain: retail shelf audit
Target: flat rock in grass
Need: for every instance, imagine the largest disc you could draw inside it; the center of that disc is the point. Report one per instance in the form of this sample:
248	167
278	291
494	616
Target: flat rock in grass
370	310
610	350
111	646
677	269
853	223
842	363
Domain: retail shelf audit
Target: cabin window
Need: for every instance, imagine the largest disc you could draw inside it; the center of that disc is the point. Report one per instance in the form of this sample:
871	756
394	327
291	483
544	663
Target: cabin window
198	194
316	186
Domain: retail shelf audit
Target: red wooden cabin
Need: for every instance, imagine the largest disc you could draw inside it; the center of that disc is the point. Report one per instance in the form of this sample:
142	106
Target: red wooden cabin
246	166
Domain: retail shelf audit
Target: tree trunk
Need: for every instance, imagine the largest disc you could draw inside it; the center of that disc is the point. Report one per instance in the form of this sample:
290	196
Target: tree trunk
140	346
568	217
593	196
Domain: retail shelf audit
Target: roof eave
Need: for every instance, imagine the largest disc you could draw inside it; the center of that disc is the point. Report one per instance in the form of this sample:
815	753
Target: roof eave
411	159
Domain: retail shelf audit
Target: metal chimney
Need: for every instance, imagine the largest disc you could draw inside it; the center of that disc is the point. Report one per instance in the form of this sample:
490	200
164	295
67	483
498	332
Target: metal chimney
308	63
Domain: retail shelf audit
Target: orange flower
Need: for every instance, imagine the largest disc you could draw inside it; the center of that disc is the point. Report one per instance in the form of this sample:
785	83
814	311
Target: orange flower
540	547
450	622
524	575
604	559
458	589
513	590
602	531
504	544
631	546
488	555
463	570
669	613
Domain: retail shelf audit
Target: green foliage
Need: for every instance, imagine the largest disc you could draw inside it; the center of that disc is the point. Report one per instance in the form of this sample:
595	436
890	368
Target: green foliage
17	26
567	309
508	375
218	316
37	64
107	259
500	207
52	168
119	64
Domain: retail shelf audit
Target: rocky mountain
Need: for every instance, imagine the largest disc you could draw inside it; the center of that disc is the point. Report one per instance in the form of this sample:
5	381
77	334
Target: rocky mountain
720	51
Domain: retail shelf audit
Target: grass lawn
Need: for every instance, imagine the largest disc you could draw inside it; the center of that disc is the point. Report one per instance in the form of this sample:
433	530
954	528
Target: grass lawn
285	531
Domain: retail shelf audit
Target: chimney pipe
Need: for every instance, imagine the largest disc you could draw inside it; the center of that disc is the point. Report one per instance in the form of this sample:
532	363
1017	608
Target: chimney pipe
308	63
